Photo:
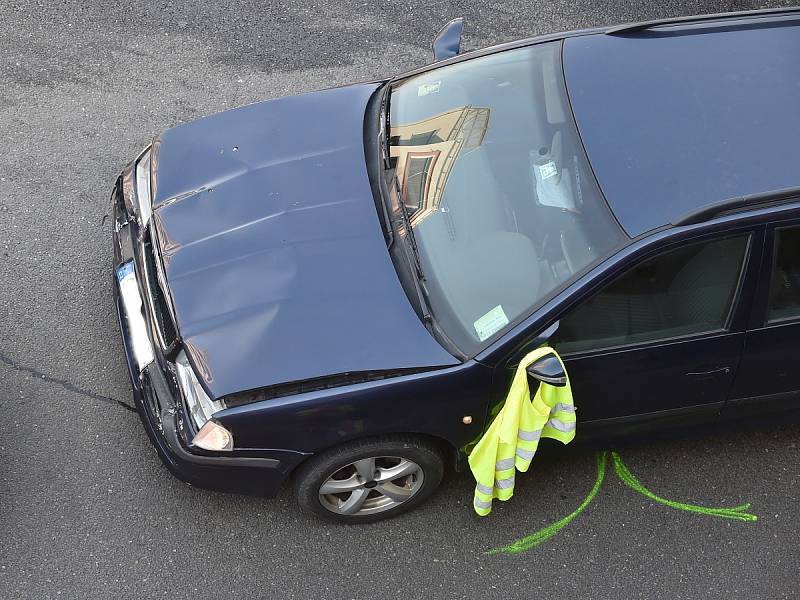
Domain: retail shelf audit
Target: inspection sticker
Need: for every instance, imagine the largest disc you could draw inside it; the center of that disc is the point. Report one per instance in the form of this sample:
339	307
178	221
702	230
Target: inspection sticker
490	323
429	88
548	170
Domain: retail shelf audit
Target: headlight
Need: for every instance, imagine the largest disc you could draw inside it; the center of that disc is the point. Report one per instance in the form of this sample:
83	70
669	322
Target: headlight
144	202
200	407
213	436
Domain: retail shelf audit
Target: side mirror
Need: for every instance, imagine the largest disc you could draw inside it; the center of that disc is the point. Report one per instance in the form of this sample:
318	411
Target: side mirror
548	369
447	42
531	344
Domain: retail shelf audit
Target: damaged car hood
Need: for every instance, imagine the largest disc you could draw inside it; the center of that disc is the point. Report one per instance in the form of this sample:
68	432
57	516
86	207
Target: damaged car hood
272	247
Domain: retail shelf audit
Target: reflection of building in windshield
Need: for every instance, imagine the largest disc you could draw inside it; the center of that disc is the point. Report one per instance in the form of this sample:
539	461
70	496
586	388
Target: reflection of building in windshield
427	150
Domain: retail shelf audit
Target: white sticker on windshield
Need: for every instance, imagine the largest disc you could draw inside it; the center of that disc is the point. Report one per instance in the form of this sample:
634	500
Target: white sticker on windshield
490	323
429	88
548	170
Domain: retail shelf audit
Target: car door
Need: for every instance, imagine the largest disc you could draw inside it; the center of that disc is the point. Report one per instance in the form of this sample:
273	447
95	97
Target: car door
769	374
665	337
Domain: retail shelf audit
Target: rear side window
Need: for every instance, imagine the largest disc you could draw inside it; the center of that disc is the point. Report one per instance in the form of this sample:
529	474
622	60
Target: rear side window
681	292
784	296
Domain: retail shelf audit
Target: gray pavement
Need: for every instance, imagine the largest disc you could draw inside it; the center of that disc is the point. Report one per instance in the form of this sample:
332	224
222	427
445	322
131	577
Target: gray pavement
87	510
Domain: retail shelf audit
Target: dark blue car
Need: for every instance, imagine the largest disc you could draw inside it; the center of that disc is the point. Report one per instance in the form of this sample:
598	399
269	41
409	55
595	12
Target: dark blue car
336	287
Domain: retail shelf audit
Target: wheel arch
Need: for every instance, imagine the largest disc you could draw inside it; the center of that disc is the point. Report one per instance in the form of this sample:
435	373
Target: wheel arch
452	457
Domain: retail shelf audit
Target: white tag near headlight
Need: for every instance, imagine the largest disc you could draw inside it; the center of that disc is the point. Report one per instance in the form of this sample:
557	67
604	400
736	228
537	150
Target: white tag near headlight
141	346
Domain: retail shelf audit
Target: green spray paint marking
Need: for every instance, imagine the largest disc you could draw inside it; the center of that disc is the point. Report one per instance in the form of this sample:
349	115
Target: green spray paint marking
535	539
737	512
531	541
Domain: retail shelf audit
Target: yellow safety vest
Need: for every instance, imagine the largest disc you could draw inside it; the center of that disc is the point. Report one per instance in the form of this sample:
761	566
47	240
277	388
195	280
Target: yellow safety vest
513	436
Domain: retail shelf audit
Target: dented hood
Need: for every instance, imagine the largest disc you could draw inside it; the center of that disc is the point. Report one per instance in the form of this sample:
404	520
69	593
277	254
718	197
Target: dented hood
272	247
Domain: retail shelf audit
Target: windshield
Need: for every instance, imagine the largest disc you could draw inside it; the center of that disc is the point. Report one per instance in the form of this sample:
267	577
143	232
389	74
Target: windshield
503	205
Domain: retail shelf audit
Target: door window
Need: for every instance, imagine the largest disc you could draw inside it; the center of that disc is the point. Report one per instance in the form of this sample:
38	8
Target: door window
681	292
784	295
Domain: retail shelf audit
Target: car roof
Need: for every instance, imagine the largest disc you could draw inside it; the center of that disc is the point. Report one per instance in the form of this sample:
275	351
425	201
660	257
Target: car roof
677	117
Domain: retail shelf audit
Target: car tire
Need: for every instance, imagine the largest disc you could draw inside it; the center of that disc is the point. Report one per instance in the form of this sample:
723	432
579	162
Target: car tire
369	480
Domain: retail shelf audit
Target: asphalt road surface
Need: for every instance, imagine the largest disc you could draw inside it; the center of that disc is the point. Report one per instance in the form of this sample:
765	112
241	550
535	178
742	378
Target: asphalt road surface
87	510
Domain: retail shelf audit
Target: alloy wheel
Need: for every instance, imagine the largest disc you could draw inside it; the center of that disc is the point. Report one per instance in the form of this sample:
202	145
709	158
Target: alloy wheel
371	485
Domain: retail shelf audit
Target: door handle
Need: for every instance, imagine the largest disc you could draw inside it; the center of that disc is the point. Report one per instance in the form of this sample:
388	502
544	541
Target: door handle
710	373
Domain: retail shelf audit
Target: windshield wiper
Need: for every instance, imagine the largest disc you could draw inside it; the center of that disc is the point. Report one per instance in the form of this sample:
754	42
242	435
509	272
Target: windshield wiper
383	135
383	149
412	254
383	130
410	242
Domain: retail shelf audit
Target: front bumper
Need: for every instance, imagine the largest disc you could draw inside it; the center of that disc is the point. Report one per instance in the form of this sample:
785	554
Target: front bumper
159	404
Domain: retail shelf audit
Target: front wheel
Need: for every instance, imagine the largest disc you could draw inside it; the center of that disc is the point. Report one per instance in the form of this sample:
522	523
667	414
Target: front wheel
369	480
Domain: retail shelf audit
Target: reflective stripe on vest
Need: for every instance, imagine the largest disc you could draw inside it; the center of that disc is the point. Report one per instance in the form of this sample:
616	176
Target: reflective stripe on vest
561	425
482	504
504	484
483	489
505	464
530	436
525	454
